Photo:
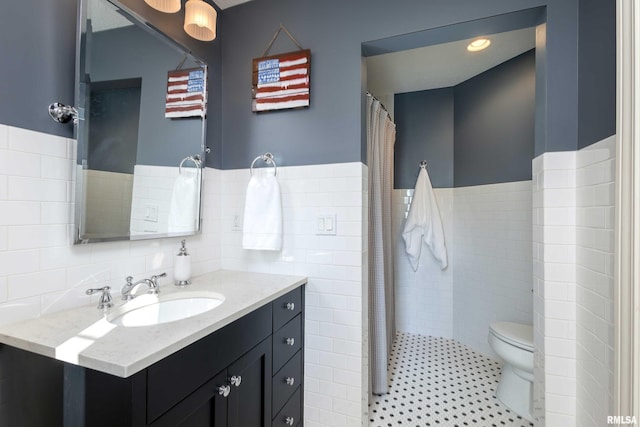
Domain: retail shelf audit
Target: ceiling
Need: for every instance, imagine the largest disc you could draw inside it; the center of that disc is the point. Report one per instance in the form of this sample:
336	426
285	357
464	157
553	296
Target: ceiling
104	15
223	4
442	65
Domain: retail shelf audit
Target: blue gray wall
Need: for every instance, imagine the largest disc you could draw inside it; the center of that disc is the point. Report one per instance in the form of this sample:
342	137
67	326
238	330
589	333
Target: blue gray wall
131	52
480	131
39	65
596	85
494	120
331	130
37	44
210	52
114	117
39	68
424	131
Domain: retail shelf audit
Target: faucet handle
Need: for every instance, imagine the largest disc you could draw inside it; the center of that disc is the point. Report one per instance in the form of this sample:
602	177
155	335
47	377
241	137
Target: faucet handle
154	288
105	299
129	280
155	277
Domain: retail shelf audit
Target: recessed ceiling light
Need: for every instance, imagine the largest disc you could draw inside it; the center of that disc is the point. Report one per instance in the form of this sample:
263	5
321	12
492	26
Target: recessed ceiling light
478	44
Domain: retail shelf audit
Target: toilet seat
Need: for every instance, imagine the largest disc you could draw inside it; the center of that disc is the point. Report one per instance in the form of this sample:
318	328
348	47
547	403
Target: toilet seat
516	334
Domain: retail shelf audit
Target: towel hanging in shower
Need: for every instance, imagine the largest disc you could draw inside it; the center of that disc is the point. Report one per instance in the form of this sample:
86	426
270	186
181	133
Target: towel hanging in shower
424	225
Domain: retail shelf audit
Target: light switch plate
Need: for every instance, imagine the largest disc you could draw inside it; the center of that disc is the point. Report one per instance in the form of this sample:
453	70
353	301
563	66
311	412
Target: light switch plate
151	213
326	224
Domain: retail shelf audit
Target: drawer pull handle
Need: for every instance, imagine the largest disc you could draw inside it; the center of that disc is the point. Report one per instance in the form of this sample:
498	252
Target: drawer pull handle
235	380
289	421
290	341
290	306
290	380
224	390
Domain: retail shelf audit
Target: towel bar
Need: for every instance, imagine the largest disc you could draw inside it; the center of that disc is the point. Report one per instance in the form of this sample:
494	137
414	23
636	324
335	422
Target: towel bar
195	159
268	159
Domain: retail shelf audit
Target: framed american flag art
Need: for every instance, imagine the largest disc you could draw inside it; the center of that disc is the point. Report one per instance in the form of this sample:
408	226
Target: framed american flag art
281	82
186	93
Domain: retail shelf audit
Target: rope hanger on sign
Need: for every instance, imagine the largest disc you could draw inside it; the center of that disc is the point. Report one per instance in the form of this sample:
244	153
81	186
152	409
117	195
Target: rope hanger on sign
275	36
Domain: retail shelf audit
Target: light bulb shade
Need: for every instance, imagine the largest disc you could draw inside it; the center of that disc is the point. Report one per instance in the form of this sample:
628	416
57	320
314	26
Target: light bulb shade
200	20
167	6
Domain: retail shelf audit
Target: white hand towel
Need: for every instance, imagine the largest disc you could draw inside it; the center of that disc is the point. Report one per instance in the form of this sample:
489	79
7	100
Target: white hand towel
424	225
262	226
184	212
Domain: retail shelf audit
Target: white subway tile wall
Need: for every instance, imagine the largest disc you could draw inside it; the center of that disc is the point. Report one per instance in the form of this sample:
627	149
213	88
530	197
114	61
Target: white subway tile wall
424	298
152	195
40	270
573	281
492	260
595	182
538	409
336	346
488	237
554	254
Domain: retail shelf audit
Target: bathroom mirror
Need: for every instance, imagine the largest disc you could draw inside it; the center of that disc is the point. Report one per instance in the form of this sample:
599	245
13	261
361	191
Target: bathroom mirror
140	147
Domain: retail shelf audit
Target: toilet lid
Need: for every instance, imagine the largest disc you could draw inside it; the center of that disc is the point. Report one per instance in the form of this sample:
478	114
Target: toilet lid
518	334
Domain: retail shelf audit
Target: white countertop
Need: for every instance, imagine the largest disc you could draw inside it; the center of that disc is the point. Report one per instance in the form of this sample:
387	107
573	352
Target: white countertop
82	336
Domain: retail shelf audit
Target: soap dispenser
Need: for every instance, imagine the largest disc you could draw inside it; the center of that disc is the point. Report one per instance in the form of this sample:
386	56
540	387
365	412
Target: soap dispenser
182	274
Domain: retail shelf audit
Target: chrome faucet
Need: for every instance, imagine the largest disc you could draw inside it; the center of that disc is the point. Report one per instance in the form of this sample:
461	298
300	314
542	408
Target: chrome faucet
105	298
152	286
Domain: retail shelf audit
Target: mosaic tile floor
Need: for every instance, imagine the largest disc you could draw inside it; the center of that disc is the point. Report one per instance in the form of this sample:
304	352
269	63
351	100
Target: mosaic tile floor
440	382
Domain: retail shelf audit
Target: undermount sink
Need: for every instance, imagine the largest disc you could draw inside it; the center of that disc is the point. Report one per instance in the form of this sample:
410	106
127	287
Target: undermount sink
148	310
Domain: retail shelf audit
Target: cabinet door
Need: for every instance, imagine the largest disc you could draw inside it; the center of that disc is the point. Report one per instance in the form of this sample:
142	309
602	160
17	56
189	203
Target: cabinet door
250	378
206	407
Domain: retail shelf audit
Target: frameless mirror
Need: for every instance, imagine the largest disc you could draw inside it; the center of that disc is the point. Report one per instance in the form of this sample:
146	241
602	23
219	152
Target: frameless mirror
141	100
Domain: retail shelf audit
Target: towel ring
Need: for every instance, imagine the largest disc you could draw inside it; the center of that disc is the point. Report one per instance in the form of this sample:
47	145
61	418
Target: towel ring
268	159
195	159
422	164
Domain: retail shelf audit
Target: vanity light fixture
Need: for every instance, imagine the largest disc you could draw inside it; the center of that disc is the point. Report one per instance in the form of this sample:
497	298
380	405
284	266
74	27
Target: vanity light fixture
200	20
478	44
166	6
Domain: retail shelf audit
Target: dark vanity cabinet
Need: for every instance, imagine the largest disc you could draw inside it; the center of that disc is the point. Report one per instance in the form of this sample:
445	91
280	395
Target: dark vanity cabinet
247	374
237	396
287	361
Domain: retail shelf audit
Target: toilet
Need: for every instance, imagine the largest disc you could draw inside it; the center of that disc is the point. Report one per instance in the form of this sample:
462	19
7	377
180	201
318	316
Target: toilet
513	342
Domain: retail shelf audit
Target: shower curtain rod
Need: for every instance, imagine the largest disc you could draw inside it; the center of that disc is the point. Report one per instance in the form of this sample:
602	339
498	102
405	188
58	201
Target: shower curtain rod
381	104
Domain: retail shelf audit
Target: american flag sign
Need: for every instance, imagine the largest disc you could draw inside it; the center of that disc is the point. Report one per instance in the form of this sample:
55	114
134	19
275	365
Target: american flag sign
281	81
186	93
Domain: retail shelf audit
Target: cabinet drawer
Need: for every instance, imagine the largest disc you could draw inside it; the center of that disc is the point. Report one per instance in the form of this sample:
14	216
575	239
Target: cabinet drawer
285	382
286	307
291	412
286	342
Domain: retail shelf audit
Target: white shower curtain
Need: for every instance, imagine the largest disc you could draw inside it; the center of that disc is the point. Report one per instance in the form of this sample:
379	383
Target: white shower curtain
381	137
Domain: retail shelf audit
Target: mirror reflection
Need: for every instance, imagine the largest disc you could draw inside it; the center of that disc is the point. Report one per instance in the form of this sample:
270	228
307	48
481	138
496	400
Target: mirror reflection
142	106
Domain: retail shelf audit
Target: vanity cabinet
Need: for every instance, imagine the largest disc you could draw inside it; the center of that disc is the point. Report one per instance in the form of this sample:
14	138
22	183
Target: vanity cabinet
238	396
241	352
287	362
247	374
